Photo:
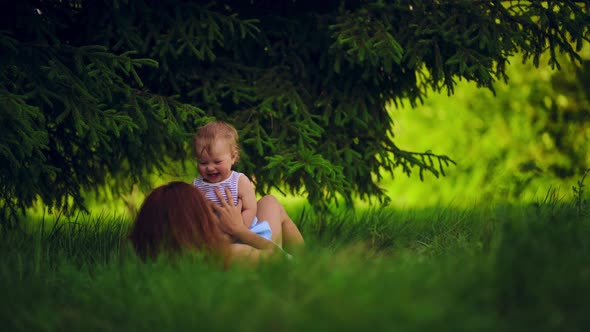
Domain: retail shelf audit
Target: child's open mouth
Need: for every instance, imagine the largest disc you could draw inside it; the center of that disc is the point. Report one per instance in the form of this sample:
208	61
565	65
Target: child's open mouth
213	177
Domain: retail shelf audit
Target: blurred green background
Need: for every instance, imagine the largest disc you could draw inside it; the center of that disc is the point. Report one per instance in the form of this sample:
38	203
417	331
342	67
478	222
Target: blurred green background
530	139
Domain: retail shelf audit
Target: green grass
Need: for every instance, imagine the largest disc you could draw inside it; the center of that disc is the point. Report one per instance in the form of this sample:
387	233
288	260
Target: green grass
487	268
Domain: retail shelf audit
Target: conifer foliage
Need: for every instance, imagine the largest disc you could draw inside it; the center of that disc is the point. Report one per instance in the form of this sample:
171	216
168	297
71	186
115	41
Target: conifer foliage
92	90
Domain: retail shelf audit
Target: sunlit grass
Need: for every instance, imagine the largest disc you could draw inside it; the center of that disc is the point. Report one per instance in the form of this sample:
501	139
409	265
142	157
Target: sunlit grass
486	267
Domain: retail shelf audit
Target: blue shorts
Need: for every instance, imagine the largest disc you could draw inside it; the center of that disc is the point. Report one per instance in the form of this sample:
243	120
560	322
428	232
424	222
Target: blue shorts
261	228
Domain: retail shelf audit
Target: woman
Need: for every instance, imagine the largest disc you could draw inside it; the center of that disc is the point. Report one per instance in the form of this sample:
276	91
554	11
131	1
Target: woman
176	216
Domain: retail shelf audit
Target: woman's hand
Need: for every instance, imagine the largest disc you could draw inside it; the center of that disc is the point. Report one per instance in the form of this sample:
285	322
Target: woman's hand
230	221
230	216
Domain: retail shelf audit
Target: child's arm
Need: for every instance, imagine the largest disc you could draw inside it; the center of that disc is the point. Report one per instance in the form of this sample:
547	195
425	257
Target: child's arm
248	197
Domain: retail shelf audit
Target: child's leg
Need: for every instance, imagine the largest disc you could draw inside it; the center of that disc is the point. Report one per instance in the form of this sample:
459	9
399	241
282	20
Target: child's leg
284	231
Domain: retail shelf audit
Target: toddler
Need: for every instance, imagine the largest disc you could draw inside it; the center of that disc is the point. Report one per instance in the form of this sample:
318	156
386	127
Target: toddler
217	151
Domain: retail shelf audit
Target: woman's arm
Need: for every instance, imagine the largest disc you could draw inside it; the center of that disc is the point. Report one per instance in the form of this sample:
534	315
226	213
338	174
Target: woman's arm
252	246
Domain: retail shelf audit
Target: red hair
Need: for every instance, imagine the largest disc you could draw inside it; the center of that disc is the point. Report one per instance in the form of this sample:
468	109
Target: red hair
174	217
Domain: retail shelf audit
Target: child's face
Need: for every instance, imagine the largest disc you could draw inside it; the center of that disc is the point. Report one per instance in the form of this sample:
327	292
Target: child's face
215	165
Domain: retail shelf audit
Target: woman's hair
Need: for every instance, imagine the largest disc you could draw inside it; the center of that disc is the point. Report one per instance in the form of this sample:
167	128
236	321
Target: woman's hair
174	217
213	131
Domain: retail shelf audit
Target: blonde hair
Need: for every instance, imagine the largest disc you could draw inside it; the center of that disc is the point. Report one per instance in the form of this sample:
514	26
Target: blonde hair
208	134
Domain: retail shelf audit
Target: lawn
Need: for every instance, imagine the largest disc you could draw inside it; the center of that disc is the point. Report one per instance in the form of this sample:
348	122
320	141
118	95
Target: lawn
495	267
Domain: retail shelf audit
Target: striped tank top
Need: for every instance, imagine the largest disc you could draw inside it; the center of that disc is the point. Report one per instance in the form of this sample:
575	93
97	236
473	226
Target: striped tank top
208	188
